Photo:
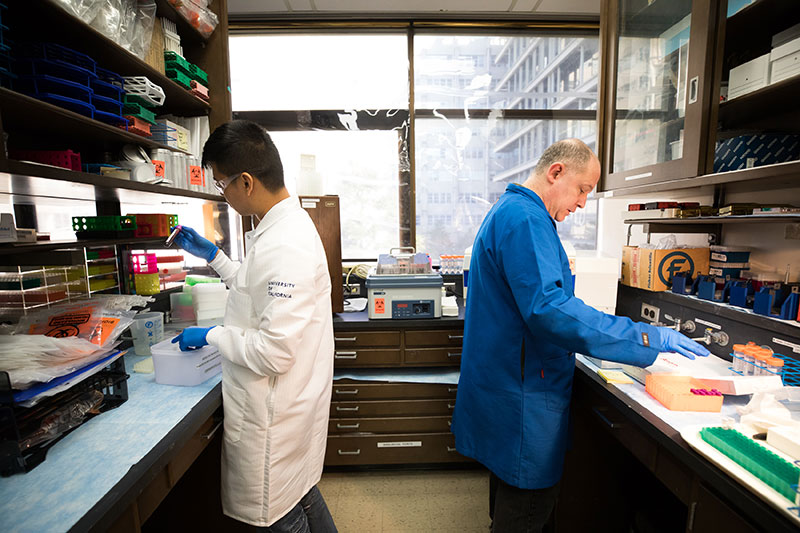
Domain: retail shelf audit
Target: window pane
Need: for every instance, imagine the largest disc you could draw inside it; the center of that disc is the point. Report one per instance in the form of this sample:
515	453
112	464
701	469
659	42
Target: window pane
302	72
505	72
362	168
463	166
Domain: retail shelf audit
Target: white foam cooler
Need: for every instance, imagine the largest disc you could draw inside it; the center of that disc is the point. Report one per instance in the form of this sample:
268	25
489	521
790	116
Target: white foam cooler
174	367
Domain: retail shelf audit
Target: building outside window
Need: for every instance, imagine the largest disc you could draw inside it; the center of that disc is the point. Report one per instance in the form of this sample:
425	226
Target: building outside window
485	108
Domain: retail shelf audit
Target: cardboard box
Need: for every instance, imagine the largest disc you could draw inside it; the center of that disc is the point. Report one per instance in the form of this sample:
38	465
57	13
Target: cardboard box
748	151
748	77
652	269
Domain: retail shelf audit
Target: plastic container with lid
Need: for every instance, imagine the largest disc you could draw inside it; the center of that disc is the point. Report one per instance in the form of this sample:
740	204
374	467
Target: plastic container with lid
760	364
738	359
174	367
775	366
749	359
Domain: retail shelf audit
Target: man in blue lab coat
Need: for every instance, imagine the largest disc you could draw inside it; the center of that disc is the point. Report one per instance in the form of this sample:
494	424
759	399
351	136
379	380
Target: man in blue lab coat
522	328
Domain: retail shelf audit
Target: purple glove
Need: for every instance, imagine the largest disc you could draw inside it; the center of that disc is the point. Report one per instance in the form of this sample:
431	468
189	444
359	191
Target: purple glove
192	338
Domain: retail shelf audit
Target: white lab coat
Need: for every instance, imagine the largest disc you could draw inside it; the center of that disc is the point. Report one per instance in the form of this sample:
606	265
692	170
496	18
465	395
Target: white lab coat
277	344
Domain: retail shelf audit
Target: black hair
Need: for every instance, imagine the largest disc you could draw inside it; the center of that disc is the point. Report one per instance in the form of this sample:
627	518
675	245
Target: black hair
244	146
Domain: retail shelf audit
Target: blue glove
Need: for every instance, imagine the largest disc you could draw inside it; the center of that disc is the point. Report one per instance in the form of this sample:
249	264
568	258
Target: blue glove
672	341
198	246
191	338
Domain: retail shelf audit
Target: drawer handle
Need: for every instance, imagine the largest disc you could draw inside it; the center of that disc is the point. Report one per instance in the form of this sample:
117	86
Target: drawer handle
449	423
210	434
612	425
451	406
347	426
351	409
345	339
455	337
453	355
345	355
357	452
450	449
452	389
353	391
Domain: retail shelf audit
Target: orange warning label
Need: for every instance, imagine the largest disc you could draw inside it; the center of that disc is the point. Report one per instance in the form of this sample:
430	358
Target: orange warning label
195	175
77	323
160	167
380	306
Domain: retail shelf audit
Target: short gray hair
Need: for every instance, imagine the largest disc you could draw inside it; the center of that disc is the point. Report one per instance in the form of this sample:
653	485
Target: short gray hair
567	151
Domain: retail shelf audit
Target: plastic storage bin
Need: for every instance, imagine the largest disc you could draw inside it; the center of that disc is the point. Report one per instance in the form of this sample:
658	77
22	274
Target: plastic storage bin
154	225
174	367
103	226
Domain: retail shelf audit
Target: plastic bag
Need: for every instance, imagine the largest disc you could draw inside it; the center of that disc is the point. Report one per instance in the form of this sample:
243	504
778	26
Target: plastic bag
143	29
86	10
63	419
91	320
127	24
109	19
196	13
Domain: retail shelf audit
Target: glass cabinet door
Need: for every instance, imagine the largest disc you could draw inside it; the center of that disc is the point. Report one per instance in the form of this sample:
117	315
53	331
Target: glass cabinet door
659	53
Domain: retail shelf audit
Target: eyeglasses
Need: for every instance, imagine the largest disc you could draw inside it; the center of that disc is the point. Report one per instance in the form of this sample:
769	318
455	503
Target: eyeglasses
221	185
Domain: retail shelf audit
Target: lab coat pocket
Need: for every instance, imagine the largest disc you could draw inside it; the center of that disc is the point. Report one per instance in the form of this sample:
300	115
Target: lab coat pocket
234	403
557	401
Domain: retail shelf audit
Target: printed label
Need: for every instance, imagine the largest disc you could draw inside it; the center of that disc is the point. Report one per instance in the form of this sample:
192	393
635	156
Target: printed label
795	347
718	257
195	175
715	271
673	263
160	168
380	306
306	204
401	444
707	323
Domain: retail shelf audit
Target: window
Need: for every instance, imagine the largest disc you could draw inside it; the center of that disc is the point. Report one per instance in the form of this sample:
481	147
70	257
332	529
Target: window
486	106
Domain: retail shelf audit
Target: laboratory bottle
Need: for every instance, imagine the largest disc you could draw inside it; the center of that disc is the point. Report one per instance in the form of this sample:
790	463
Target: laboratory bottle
738	359
749	359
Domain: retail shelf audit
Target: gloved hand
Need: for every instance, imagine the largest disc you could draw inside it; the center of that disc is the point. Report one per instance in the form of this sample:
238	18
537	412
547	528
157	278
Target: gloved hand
198	246
672	341
191	338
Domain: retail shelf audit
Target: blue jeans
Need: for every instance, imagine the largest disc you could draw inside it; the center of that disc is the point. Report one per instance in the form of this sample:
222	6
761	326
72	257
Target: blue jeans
311	515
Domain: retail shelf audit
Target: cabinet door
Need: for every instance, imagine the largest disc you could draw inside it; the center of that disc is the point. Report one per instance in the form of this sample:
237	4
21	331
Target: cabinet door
359	390
353	357
657	90
404	424
392	408
435	337
404	448
366	338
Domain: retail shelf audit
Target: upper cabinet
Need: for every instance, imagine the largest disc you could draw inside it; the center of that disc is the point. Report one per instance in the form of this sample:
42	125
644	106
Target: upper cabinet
700	92
658	89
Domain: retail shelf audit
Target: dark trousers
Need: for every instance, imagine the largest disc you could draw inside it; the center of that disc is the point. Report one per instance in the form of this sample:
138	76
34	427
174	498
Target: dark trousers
309	515
515	510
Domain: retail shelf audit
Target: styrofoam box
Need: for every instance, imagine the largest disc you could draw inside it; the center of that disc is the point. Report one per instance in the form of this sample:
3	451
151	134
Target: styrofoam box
784	61
749	77
785	439
174	367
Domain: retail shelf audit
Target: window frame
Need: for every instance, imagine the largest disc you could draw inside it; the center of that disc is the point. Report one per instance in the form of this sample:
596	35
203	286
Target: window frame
403	120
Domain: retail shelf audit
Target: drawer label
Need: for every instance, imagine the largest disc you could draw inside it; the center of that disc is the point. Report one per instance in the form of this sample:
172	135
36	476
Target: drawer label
401	444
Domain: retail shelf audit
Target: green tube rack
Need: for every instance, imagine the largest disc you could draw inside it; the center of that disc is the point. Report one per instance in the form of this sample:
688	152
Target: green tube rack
767	466
179	77
138	110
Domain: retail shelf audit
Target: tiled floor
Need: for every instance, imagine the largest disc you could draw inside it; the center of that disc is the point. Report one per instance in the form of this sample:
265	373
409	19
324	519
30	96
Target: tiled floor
447	501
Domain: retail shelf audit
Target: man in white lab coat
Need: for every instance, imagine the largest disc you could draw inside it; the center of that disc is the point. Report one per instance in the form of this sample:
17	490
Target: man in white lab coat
277	341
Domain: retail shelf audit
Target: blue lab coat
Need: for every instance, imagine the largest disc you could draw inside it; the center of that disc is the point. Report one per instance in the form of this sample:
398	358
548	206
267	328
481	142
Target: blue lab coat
522	327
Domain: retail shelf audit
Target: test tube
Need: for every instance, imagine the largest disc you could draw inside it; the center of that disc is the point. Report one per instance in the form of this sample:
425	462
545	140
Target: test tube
738	359
749	359
760	363
775	366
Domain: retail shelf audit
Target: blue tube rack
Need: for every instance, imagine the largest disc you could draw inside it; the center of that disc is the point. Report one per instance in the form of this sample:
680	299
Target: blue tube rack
790	374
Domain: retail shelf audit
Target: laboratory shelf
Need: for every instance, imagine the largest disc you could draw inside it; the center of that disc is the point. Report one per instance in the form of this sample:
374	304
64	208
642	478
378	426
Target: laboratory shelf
43	246
753	106
746	180
185	30
31	178
733	219
71	31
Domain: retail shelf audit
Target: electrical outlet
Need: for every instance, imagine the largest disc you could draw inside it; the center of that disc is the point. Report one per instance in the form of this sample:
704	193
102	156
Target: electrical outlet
650	312
352	288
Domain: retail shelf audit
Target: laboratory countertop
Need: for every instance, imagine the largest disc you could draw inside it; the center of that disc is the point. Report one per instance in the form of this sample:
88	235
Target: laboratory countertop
104	462
665	426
